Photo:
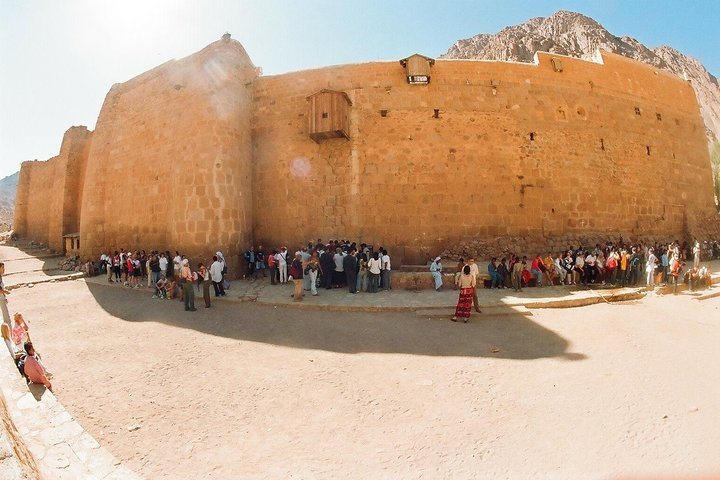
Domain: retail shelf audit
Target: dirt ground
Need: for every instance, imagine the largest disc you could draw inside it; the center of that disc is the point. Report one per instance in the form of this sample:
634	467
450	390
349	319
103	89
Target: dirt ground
248	391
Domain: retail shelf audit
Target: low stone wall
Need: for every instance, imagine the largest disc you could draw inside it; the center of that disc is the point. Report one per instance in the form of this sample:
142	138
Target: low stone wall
46	440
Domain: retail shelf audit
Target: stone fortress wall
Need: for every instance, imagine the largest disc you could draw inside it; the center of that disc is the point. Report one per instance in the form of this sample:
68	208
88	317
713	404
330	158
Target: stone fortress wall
204	153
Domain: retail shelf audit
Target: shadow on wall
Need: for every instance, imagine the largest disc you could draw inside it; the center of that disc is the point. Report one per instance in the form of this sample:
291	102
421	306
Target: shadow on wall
514	336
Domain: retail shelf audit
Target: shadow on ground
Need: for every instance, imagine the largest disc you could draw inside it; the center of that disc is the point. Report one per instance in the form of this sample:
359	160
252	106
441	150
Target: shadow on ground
508	336
27	260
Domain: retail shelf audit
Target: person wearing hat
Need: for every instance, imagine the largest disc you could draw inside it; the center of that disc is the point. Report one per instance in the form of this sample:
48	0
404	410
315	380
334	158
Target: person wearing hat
436	272
187	286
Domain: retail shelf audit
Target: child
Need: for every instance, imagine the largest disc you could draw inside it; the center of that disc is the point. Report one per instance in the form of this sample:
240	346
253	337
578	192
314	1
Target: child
20	332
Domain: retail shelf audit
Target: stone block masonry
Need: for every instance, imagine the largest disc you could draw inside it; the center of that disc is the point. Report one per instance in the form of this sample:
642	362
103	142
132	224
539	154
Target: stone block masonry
203	153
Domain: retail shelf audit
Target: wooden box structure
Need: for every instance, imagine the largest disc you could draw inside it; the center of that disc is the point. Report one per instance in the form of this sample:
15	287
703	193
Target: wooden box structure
329	115
417	69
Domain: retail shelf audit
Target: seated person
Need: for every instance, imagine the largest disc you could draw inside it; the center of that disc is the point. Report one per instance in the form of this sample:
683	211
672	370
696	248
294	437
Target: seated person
34	369
7	337
161	287
171	288
20	331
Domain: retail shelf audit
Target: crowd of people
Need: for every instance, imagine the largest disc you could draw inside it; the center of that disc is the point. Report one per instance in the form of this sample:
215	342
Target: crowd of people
16	335
332	264
612	265
168	276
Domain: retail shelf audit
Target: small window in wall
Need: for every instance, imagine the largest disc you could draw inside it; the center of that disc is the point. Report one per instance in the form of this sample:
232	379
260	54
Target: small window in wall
637	111
328	115
658	116
436	113
602	144
417	69
647	149
383	113
532	136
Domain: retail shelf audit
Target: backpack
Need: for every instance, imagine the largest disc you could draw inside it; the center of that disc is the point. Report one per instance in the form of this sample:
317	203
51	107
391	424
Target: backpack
20	363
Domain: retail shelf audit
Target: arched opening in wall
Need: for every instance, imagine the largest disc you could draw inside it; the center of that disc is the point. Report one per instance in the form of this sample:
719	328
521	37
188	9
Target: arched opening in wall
637	111
647	149
436	113
532	136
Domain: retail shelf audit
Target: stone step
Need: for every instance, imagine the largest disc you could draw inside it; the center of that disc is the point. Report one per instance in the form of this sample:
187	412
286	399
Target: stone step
489	311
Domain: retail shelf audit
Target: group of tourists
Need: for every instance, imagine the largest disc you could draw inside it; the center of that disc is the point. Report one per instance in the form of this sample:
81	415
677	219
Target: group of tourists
168	276
16	335
335	264
612	264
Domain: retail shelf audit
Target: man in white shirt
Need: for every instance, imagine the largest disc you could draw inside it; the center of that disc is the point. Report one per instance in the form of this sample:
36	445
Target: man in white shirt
163	264
216	276
282	261
177	264
385	273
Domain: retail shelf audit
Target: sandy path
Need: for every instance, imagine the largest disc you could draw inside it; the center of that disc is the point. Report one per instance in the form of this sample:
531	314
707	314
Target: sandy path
245	391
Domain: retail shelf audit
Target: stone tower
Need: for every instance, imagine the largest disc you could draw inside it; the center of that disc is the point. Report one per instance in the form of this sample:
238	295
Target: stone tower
170	165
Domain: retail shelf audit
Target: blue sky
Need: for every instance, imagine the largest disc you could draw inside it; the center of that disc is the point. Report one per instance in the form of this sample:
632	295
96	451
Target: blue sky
58	59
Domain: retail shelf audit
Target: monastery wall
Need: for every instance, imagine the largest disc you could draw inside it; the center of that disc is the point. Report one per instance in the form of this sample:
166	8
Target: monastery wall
202	154
49	193
170	164
613	148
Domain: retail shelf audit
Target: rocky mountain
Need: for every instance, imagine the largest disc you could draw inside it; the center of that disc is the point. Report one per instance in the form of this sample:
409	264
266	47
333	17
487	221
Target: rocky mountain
8	187
573	34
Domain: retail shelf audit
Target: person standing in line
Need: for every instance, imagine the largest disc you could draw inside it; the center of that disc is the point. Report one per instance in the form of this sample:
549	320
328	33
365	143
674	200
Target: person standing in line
338	272
374	270
216	276
386	270
436	272
305	256
163	263
250	260
204	276
460	265
186	279
272	266
260	261
350	268
475	272
3	299
282	259
155	269
517	270
362	278
675	268
650	267
109	267
296	272
177	264
466	283
312	267
327	265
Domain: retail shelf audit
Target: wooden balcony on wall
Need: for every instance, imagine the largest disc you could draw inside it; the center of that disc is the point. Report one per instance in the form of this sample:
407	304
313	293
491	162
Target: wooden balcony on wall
329	115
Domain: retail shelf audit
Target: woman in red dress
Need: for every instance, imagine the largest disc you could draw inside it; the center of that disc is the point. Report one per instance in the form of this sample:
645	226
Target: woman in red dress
466	284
